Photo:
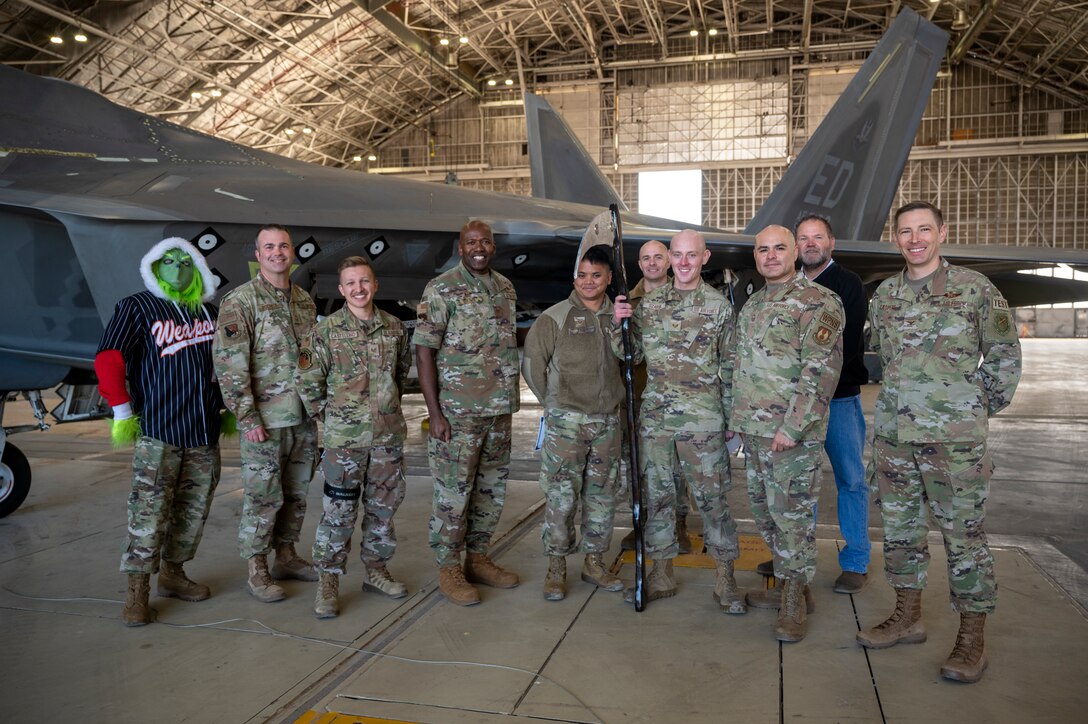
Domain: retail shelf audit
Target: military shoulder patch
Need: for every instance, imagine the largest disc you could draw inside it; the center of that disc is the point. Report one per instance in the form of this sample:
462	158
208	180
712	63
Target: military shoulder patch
421	311
305	359
1002	323
824	335
1000	303
231	330
827	319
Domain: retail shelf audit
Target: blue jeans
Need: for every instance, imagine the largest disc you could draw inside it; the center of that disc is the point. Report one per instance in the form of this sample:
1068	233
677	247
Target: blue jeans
845	444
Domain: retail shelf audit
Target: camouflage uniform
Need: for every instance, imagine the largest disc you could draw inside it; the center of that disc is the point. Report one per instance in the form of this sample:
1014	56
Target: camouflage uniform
683	507
685	339
469	320
172	489
931	421
788	358
570	368
352	372
256	346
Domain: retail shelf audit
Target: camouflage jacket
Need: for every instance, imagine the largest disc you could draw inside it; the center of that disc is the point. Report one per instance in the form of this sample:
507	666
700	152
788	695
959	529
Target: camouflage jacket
569	363
686	341
470	321
256	346
788	359
353	371
931	344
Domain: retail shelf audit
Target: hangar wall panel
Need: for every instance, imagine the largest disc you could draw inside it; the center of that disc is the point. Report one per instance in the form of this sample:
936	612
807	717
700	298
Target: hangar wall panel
984	151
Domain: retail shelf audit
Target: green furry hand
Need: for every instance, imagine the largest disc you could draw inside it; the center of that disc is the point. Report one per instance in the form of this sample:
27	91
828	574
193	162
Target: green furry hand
125	432
228	424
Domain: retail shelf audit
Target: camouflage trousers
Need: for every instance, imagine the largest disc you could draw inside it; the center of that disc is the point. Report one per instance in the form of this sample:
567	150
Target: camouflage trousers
953	479
783	488
276	475
470	473
377	476
172	489
702	459
683	504
579	463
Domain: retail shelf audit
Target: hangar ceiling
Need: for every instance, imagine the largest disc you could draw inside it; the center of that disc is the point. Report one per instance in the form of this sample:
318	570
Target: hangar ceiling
326	81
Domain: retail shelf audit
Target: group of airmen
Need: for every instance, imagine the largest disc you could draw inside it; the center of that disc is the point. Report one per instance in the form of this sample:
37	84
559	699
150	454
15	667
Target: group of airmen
782	375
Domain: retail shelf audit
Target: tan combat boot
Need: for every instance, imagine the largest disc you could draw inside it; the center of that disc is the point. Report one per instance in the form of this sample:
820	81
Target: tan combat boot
968	658
660	582
260	583
555	582
172	581
904	626
772	598
327	601
452	583
682	538
377	579
726	592
595	572
792	617
136	611
290	565
481	569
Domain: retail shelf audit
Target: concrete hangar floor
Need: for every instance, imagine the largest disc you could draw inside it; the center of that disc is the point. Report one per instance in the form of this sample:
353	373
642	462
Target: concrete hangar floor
590	658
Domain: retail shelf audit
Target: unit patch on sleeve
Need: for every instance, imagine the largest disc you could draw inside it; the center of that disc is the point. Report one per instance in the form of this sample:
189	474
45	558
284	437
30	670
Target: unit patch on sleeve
827	319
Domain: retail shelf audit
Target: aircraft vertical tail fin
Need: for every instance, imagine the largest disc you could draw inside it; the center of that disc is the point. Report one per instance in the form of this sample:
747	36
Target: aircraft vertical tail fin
850	168
566	172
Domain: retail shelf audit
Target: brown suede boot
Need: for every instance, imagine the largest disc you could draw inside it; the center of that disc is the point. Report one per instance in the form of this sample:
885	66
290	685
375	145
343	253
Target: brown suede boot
327	600
792	618
772	598
452	583
290	565
660	582
682	538
968	658
260	583
376	578
726	592
136	611
555	583
172	581
481	569
904	626
594	571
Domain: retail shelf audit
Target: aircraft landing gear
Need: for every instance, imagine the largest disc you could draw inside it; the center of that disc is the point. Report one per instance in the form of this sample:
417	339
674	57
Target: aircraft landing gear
14	479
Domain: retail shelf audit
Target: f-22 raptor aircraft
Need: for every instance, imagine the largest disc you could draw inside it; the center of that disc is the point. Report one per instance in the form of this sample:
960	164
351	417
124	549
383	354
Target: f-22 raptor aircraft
86	187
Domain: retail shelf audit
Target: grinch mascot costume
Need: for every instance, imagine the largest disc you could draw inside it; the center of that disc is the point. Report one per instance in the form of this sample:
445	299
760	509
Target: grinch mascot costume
160	343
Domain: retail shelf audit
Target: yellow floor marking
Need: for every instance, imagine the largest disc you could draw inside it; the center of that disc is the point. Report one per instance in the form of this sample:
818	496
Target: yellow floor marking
313	717
753	551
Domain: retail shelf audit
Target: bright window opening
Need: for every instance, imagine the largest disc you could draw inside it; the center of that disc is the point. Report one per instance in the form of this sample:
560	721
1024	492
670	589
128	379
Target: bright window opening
672	195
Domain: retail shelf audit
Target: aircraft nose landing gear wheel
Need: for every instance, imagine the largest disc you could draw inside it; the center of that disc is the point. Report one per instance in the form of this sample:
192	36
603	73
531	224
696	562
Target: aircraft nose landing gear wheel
14	479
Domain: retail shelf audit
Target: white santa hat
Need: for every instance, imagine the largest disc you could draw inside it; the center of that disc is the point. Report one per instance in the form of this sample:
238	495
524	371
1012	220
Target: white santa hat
159	251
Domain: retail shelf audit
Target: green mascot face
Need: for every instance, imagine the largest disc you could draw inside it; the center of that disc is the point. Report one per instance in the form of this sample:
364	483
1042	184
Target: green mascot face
176	270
